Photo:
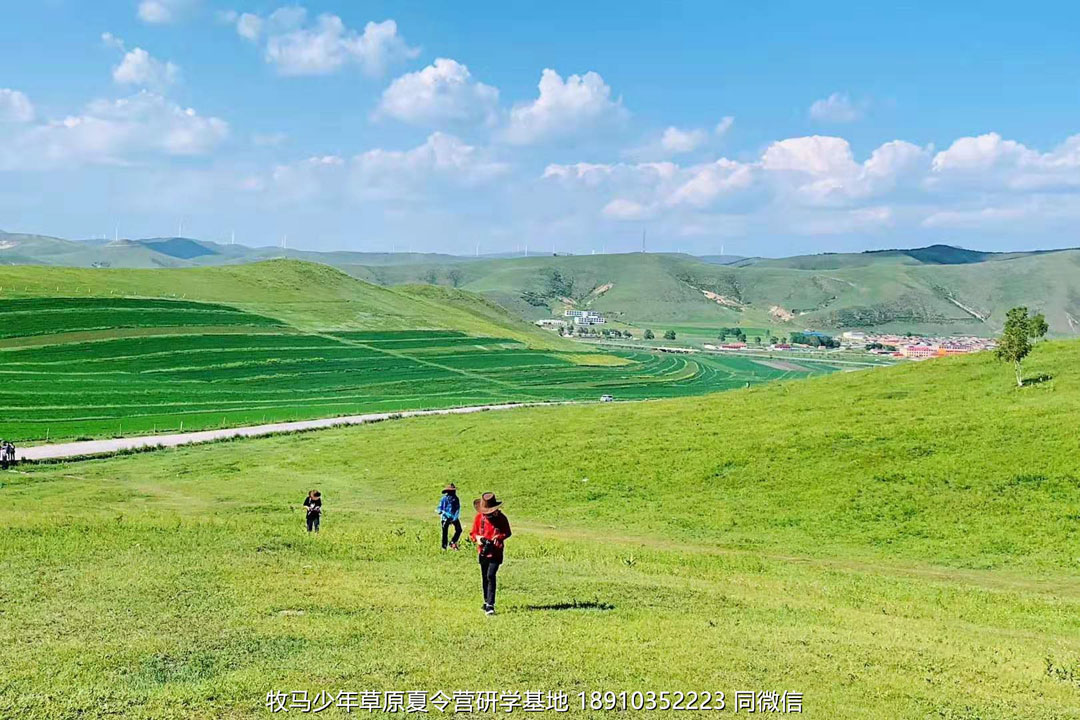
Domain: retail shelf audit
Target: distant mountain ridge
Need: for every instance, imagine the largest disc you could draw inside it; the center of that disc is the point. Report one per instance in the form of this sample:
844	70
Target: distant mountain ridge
938	289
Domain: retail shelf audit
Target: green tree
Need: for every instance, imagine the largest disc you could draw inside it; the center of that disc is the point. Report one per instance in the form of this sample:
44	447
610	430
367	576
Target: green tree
1039	327
649	334
1016	339
669	335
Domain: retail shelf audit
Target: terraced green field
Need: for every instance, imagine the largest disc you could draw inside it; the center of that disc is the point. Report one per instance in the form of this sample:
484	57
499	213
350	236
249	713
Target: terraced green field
99	367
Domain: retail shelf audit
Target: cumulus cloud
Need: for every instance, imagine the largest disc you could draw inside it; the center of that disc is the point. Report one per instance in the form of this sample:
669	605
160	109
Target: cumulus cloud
990	162
623	209
442	92
837	108
812	185
680	141
162	12
706	183
563	108
296	46
441	154
442	162
115	132
820	170
677	141
140	68
15	107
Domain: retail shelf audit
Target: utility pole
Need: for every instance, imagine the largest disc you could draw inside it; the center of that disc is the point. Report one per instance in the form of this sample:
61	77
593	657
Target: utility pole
643	240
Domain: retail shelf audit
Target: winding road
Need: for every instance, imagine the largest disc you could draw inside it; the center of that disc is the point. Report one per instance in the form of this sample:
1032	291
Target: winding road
90	448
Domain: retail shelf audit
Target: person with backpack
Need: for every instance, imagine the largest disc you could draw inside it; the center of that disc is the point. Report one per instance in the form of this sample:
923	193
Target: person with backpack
449	512
490	530
313	504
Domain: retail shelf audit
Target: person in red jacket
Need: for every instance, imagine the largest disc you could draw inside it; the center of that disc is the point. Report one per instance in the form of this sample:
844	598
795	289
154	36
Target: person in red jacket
490	529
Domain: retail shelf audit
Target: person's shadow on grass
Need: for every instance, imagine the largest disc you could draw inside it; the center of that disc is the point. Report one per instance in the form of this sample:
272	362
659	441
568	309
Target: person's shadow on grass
572	605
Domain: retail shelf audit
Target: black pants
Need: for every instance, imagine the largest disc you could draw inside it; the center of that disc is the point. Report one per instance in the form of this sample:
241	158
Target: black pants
488	569
313	522
446	523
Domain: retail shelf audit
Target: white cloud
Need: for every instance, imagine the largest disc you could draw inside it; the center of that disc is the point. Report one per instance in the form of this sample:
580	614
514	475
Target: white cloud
563	108
595	174
15	107
725	124
837	108
116	132
819	170
989	162
982	153
708	182
441	154
142	69
249	26
442	92
442	162
676	141
623	209
816	155
295	46
162	12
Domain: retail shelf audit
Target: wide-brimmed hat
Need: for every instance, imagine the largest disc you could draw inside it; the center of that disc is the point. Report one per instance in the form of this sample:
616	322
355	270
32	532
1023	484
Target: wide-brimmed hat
486	503
450	488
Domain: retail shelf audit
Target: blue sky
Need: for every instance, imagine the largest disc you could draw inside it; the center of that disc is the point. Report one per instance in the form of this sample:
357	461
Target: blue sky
762	128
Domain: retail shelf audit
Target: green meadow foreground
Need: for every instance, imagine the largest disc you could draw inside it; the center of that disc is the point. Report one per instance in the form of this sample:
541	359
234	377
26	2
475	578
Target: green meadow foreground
897	543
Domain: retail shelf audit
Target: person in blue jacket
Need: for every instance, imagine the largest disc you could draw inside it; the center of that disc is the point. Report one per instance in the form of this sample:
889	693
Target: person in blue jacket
449	512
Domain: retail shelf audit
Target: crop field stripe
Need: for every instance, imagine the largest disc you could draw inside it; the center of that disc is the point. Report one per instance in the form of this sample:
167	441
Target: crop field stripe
422	361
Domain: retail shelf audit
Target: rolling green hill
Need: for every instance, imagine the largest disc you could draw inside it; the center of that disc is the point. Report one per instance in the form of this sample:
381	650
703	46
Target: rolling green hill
937	290
890	544
888	291
305	295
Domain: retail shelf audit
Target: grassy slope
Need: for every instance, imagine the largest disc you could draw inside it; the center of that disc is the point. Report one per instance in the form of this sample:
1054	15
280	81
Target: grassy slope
898	543
309	296
902	293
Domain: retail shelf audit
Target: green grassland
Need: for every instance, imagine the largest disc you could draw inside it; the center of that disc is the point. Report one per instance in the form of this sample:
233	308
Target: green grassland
304	295
894	292
80	367
900	543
